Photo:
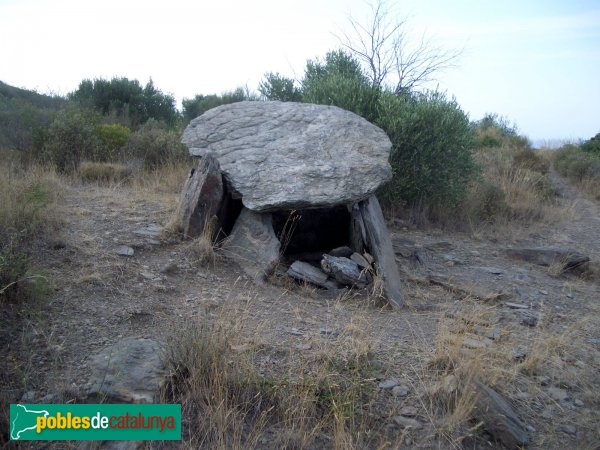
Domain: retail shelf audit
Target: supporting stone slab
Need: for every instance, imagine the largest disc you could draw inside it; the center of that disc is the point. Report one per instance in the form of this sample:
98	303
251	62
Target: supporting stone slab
380	244
201	197
253	244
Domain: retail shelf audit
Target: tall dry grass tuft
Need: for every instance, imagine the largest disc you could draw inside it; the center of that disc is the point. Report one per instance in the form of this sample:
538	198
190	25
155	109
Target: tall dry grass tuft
26	194
26	217
514	187
231	399
103	172
25	214
463	354
165	179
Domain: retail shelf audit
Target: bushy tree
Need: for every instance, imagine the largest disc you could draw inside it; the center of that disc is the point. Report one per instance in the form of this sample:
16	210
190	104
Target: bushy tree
340	81
194	107
275	86
70	137
432	143
111	139
494	130
127	98
592	146
155	145
23	114
432	137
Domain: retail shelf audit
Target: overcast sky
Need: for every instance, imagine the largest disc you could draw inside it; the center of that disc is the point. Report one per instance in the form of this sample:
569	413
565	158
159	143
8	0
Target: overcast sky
536	62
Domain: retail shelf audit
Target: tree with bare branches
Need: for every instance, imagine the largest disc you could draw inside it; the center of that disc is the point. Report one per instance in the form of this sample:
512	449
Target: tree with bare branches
391	58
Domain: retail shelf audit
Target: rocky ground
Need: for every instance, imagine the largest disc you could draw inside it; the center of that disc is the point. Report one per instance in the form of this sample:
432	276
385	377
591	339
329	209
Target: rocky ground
527	330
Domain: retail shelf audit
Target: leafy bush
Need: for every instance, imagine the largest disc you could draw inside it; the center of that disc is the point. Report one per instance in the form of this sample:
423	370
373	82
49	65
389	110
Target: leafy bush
111	139
487	202
23	113
70	137
576	164
493	121
155	145
431	156
277	87
592	146
127	98
194	107
527	158
488	141
339	81
494	131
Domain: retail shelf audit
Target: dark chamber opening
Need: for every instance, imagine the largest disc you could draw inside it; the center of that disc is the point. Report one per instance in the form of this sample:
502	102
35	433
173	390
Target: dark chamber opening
312	230
229	211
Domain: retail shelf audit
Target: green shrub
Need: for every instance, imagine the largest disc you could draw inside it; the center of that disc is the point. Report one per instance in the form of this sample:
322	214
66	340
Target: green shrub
494	131
576	164
70	137
111	139
155	145
339	81
23	113
488	141
277	87
431	157
127	98
487	201
194	107
527	158
592	146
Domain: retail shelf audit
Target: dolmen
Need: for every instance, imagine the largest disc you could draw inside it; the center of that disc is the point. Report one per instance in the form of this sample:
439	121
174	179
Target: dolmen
281	181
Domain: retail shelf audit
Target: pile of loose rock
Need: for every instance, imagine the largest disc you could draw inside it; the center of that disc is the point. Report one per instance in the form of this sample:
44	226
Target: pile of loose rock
341	267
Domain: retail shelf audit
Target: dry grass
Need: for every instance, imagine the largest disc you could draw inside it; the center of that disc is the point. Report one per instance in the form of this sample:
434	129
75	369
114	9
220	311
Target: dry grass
201	251
463	354
515	187
103	173
232	399
25	218
167	179
25	194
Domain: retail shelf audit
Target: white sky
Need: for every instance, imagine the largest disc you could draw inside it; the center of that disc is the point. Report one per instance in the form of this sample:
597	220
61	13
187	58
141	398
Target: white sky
535	62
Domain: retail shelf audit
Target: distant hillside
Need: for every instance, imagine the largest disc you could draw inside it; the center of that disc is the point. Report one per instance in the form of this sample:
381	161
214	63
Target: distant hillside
22	112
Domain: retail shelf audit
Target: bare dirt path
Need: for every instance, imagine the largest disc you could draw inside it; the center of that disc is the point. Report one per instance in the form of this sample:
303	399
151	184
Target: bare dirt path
582	228
101	297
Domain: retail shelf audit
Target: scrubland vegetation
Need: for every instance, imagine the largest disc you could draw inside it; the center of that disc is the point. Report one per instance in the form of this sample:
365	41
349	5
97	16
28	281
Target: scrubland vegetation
581	164
448	171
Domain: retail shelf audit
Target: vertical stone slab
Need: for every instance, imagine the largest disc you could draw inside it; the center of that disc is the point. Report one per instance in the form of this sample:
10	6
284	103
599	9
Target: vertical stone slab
201	197
380	245
358	236
253	244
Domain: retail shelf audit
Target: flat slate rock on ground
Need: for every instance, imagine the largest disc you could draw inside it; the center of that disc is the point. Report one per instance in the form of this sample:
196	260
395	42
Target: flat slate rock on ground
291	155
130	371
304	271
498	417
569	259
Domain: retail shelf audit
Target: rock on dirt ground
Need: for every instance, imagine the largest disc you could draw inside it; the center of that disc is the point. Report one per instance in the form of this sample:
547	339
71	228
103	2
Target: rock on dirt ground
101	298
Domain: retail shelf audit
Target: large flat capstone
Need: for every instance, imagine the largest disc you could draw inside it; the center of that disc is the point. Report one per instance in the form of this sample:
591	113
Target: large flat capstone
288	155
